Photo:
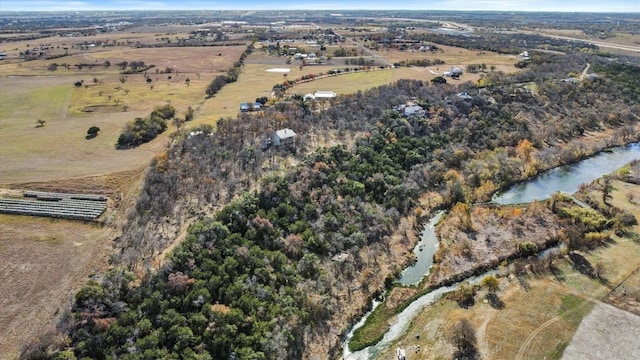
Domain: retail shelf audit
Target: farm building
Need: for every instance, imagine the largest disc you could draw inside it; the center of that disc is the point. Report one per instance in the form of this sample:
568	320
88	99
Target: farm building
284	137
321	94
245	107
324	94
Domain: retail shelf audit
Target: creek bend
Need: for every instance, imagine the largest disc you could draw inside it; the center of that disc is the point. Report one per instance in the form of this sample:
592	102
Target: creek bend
567	178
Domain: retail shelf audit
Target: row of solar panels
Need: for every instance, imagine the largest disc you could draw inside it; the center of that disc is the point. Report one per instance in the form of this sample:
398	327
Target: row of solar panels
79	204
41	195
66	208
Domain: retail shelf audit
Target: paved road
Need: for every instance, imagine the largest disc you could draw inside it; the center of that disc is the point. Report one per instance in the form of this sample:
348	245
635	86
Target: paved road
634	48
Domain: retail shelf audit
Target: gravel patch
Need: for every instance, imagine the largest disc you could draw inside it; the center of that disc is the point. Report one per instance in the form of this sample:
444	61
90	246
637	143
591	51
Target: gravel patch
606	333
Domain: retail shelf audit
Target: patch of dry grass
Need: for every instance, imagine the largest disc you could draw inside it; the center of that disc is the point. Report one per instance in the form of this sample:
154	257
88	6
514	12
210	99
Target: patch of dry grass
43	260
500	332
59	149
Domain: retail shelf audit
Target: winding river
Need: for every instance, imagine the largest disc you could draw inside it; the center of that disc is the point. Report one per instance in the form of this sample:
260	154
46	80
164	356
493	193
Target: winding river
565	179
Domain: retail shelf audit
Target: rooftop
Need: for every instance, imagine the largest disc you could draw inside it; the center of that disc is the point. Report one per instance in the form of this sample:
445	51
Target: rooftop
285	133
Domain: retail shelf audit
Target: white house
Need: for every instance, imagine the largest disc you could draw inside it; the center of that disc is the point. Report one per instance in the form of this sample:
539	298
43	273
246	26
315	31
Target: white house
410	109
454	72
464	95
284	137
324	94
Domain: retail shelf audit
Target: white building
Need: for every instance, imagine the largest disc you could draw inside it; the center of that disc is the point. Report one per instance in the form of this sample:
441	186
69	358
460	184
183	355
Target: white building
324	94
284	137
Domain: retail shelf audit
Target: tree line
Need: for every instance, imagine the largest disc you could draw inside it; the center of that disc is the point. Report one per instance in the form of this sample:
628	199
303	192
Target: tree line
143	130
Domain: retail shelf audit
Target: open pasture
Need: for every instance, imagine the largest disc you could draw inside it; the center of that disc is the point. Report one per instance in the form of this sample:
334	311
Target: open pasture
106	99
58	149
48	259
454	56
197	60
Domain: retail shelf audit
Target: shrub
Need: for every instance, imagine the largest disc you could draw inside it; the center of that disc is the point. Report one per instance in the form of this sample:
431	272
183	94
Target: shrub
527	248
464	295
92	132
439	80
491	283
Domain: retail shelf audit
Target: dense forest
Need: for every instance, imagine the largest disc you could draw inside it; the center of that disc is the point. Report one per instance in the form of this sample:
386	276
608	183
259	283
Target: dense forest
285	247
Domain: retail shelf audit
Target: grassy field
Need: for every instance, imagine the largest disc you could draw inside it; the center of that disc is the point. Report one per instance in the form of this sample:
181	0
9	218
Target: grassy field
59	149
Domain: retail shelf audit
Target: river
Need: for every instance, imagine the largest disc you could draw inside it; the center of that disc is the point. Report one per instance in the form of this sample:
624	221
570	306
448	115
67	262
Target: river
424	251
401	321
568	178
565	179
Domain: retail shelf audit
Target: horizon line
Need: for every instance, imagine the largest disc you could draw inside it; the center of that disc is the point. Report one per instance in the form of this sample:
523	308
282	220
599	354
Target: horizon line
335	10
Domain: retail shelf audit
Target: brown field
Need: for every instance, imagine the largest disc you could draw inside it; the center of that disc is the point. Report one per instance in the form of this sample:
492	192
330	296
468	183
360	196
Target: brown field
43	261
184	60
454	56
619	38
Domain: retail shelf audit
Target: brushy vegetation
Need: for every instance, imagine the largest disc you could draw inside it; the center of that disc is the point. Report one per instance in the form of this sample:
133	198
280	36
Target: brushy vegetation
143	130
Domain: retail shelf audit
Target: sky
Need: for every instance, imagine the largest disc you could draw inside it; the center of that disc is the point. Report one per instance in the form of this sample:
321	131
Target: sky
487	5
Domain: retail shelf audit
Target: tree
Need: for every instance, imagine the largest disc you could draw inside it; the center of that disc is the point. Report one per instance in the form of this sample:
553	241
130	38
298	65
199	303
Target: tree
599	269
40	123
178	122
491	283
438	80
527	248
524	149
606	189
92	132
165	112
188	114
464	339
188	81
